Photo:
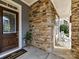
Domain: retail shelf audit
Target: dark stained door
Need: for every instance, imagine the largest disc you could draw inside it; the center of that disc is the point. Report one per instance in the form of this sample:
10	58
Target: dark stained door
1	29
9	29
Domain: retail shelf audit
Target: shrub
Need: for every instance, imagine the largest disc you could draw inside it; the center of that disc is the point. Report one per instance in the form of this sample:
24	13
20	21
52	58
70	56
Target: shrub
64	28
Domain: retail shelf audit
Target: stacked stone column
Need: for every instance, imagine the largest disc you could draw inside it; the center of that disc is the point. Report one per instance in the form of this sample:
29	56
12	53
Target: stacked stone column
75	28
42	18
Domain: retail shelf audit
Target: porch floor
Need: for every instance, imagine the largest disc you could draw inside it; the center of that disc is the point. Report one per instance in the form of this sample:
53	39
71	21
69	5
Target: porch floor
35	53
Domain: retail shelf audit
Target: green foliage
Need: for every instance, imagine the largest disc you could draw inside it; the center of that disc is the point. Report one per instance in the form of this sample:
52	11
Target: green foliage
28	36
64	28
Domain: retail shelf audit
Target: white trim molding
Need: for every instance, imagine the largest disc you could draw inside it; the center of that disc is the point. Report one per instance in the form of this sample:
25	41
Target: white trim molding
25	2
29	3
20	24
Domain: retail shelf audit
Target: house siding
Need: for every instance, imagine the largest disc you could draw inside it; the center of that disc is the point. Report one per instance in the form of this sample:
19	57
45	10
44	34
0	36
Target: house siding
25	18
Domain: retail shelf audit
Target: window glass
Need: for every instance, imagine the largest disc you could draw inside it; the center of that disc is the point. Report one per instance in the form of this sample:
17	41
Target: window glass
9	22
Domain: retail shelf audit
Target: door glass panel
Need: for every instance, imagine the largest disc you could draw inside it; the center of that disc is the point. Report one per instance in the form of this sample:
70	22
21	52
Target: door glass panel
9	22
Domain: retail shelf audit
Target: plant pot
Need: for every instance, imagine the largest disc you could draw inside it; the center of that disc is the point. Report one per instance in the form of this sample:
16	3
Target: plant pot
28	43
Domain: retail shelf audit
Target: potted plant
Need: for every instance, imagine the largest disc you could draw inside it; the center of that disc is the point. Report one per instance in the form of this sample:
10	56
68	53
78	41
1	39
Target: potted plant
28	38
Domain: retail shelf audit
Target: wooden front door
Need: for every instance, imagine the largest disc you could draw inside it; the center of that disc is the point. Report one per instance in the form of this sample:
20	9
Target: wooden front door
8	29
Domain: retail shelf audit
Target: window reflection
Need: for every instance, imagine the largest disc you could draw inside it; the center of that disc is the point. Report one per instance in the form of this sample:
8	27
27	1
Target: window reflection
9	22
6	24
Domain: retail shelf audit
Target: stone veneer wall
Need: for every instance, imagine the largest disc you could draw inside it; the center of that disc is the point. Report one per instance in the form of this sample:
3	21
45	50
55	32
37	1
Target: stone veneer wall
42	18
75	28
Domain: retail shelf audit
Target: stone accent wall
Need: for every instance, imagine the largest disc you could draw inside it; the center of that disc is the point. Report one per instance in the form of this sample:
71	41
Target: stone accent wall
42	20
75	28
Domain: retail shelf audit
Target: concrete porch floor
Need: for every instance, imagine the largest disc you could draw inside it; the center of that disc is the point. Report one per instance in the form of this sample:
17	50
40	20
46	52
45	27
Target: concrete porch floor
35	53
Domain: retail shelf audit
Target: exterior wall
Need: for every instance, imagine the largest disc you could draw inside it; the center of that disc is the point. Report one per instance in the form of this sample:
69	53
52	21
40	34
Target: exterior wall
42	21
75	28
25	18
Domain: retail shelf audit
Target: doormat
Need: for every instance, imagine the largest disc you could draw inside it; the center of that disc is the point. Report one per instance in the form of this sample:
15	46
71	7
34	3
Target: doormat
15	54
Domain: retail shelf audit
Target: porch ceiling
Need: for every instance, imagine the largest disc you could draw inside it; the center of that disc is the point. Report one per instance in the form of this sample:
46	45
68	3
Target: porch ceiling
29	2
63	7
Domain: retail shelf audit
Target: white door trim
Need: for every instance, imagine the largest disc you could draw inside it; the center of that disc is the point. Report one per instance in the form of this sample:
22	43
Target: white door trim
20	26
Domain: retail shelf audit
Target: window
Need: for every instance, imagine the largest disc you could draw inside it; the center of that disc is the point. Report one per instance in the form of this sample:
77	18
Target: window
9	22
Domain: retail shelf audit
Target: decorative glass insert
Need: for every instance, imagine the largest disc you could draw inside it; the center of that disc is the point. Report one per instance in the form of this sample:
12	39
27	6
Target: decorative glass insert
9	22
